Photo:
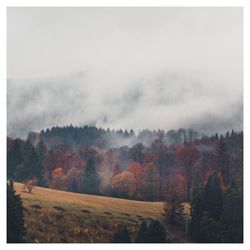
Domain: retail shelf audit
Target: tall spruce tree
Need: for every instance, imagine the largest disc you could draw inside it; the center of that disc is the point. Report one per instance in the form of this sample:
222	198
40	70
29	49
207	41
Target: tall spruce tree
15	216
232	216
14	159
222	161
206	211
213	196
33	168
90	180
197	207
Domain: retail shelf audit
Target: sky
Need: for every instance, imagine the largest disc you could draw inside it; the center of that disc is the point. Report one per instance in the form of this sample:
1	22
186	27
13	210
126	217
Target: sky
124	68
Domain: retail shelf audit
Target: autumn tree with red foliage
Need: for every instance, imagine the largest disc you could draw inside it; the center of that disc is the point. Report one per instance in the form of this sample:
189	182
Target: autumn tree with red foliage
151	182
137	170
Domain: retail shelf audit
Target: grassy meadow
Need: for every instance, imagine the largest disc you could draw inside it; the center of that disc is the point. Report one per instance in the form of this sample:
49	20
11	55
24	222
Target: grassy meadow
59	216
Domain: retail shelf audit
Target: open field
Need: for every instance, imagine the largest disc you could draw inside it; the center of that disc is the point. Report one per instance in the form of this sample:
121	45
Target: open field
58	216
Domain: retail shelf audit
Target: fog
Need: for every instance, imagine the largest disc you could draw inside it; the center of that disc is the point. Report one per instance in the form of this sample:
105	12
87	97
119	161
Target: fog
125	68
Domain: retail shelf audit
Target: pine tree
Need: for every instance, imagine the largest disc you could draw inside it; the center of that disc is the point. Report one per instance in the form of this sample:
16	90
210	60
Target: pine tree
210	229
232	216
197	207
122	235
207	204
41	151
156	232
15	216
142	235
73	186
213	196
14	159
222	161
33	168
90	180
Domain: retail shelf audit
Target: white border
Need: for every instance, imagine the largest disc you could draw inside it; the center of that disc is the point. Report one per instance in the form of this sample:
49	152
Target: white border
121	3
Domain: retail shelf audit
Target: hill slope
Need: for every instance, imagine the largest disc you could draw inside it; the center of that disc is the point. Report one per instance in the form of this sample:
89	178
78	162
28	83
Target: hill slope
58	216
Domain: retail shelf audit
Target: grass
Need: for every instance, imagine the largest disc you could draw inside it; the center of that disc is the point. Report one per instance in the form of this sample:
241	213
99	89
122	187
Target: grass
59	216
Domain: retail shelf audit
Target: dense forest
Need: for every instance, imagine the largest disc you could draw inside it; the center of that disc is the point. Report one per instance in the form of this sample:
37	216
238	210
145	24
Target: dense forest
173	167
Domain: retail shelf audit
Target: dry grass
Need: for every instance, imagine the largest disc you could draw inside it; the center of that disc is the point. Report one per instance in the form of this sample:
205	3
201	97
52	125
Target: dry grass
82	218
93	202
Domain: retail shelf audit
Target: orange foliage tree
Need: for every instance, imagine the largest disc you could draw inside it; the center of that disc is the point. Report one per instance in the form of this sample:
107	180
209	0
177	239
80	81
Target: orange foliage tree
137	170
58	179
124	184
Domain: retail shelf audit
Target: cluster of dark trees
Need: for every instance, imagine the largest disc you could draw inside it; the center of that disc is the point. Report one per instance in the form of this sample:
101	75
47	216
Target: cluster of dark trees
217	216
92	136
151	231
25	162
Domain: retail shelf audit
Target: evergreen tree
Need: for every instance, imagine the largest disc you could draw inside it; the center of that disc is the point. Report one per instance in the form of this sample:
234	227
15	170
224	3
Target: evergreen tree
213	196
15	216
14	159
151	232
197	207
33	168
210	229
207	203
142	235
232	216
27	149
41	151
73	186
90	180
222	161
122	235
156	232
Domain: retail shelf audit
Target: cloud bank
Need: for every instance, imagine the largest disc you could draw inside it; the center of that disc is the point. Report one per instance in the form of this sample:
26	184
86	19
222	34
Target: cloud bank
130	68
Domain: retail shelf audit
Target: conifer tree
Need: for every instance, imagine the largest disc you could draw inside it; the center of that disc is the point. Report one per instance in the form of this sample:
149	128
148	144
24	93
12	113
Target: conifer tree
156	232
222	161
213	196
142	235
151	232
197	207
90	180
232	216
33	168
14	158
15	216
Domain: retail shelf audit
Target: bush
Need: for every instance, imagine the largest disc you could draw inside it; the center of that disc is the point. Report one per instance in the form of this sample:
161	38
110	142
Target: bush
122	235
153	232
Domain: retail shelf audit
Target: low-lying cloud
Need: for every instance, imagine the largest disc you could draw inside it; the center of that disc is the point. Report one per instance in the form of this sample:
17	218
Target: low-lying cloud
132	68
168	101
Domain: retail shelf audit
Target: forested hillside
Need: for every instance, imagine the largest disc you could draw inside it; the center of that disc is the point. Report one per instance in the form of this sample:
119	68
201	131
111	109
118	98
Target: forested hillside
173	167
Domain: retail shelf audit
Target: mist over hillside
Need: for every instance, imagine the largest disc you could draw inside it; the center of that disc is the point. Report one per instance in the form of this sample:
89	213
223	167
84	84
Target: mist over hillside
169	101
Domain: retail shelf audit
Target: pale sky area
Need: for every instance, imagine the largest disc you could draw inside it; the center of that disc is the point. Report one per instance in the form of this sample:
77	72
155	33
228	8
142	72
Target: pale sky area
125	68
